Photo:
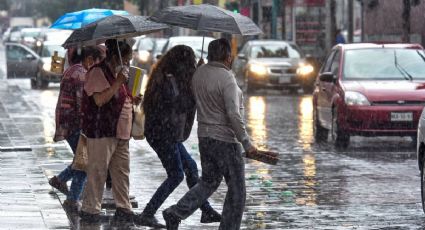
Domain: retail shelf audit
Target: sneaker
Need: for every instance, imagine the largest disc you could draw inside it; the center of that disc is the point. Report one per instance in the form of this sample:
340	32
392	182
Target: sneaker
72	206
210	216
57	184
89	218
123	215
172	221
147	220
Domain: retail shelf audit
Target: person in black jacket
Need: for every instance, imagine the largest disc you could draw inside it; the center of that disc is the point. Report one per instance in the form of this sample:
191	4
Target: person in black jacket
170	107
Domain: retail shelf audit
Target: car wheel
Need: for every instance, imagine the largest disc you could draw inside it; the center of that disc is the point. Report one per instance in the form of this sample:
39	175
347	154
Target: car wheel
40	83
308	89
247	87
340	138
423	184
33	83
320	133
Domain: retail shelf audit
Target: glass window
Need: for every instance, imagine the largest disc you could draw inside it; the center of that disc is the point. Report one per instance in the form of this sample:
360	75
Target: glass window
48	50
335	63
146	44
16	52
384	64
274	51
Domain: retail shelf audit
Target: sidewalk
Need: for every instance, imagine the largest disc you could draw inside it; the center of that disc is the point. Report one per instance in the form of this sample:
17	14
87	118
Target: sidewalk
26	201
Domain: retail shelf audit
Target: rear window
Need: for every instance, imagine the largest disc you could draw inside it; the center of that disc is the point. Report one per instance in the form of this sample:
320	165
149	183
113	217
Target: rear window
384	64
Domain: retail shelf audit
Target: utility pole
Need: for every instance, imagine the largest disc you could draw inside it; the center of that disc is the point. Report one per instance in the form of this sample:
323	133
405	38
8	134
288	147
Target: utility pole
260	15
350	21
283	15
275	7
406	21
330	24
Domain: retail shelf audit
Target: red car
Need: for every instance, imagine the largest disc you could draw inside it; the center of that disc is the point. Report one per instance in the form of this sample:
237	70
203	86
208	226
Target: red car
369	90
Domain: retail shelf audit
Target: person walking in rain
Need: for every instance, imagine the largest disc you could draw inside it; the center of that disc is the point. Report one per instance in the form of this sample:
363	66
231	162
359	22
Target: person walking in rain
107	119
68	121
170	108
221	127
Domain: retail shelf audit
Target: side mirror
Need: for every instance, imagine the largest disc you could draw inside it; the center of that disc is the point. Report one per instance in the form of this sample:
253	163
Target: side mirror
29	57
327	77
242	56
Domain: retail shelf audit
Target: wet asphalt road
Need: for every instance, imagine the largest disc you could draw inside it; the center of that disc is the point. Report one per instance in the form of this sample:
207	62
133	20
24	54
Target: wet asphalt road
374	184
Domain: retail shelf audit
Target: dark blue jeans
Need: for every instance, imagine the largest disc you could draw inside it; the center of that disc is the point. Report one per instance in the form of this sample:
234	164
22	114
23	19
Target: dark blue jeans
78	177
177	162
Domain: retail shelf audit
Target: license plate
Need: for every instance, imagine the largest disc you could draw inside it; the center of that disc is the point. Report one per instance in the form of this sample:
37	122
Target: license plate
401	117
284	80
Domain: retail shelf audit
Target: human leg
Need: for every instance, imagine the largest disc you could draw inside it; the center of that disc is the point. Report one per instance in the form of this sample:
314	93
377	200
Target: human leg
99	152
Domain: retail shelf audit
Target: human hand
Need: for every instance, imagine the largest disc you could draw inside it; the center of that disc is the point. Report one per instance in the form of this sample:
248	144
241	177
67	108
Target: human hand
200	62
137	99
123	74
251	151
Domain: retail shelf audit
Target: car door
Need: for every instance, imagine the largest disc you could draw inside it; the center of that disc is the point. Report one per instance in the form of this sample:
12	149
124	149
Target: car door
324	110
20	61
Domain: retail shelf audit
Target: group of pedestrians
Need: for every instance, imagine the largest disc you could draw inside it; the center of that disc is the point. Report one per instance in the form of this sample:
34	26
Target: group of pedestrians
95	101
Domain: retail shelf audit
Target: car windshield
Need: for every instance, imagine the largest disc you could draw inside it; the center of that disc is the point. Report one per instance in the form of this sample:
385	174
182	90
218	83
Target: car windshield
160	44
31	34
384	64
196	45
274	51
48	50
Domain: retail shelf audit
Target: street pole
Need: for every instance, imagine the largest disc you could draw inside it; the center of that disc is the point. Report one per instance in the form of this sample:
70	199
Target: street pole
406	21
260	15
283	15
350	21
328	27
275	6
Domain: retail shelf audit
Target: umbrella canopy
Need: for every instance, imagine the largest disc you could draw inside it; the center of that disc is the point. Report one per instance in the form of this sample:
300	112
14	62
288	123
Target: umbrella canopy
115	26
78	19
207	18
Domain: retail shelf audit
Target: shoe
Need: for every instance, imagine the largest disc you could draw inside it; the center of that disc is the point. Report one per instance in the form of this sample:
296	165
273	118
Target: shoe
172	221
147	220
123	215
57	184
210	216
89	218
72	206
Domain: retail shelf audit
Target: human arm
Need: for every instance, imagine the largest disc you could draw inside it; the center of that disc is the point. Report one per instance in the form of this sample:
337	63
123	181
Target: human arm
101	98
232	103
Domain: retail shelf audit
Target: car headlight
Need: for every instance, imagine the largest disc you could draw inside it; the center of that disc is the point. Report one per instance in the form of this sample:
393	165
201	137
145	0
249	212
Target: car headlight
47	66
258	69
144	56
305	69
355	98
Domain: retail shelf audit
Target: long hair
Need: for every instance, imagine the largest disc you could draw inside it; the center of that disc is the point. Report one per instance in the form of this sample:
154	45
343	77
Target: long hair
181	63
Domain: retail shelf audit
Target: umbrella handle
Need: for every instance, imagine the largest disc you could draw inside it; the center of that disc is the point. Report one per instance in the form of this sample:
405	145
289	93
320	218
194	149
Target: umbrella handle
119	52
202	49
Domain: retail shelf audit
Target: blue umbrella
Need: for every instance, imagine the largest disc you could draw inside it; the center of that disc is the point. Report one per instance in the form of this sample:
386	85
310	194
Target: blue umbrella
78	19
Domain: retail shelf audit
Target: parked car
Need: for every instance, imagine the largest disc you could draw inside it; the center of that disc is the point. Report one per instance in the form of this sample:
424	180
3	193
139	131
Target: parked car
145	51
273	64
369	90
195	42
13	34
24	62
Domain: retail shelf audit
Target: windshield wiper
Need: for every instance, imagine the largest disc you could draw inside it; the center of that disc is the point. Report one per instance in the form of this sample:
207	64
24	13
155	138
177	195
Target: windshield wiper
420	55
403	72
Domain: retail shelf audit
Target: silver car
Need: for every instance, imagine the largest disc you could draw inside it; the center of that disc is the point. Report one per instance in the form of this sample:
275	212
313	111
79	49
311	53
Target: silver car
271	64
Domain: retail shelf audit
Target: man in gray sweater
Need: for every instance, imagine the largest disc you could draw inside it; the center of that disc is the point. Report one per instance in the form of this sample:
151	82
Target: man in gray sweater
221	129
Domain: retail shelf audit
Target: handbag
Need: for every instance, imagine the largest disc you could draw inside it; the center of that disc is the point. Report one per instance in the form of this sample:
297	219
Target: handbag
138	125
81	157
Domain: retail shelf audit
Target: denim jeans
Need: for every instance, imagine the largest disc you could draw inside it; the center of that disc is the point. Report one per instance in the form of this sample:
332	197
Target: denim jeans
177	163
78	177
219	159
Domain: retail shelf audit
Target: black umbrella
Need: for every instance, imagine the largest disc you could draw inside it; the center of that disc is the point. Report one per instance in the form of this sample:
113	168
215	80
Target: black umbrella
115	26
207	18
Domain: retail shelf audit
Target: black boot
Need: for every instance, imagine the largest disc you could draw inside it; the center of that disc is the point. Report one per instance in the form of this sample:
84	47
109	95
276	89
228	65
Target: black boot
172	221
210	216
148	220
